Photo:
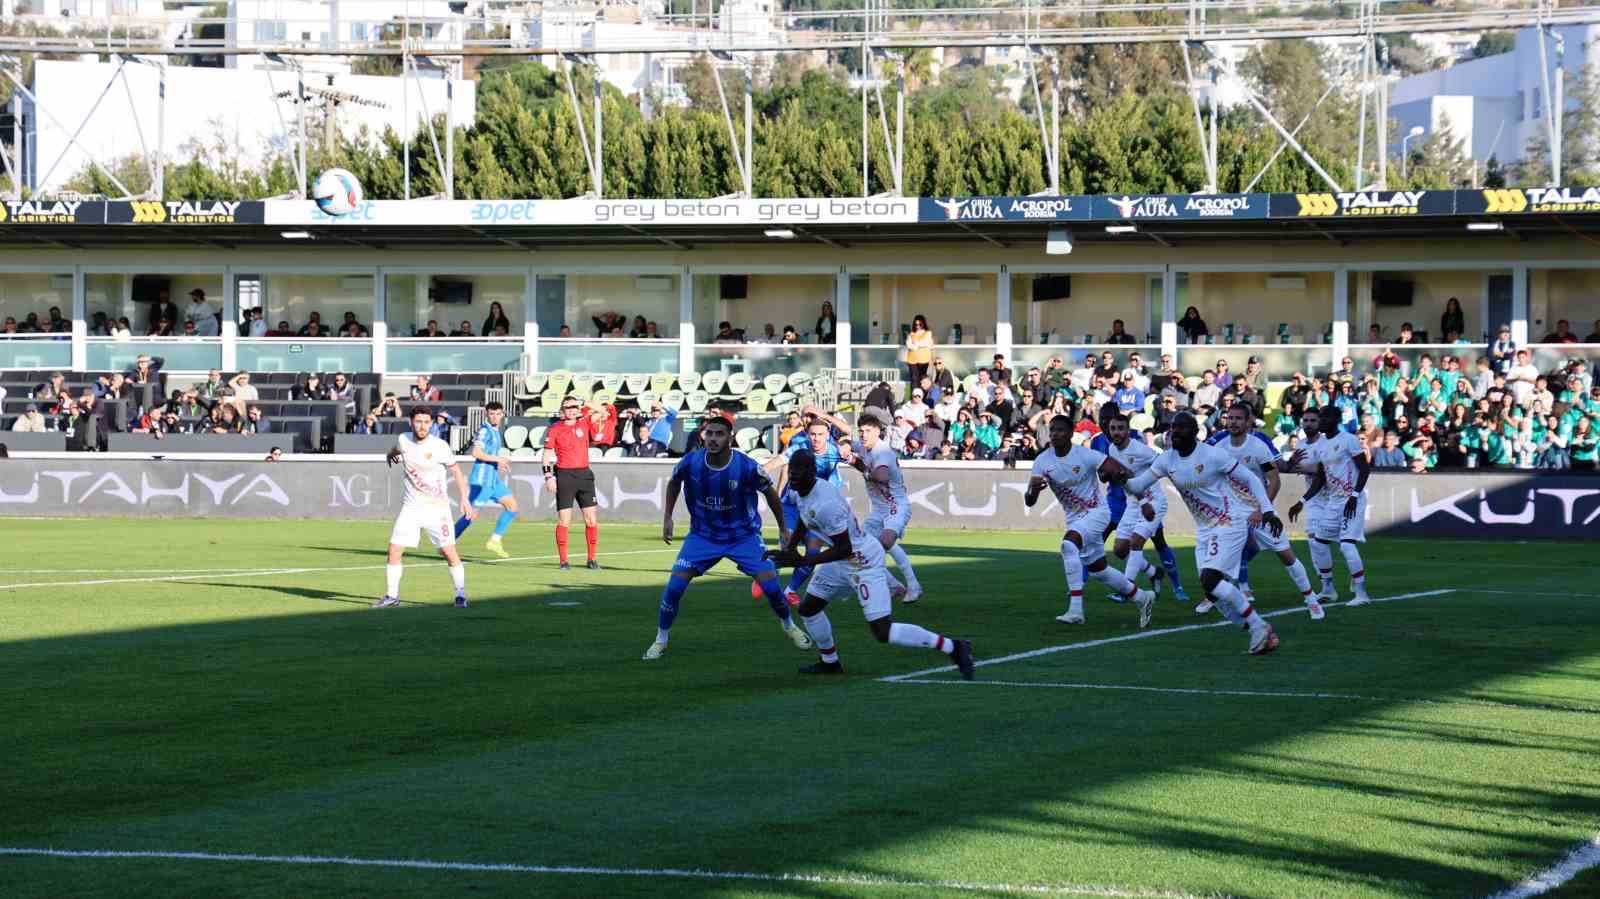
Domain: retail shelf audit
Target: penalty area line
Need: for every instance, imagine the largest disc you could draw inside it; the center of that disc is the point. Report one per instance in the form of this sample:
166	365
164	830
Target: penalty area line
1579	860
862	880
1140	635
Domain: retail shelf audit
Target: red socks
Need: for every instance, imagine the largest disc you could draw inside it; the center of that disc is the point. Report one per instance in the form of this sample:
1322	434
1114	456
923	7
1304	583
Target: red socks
591	535
561	542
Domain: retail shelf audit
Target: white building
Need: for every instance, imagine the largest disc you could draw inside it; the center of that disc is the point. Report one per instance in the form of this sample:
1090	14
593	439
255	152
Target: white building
252	110
1495	105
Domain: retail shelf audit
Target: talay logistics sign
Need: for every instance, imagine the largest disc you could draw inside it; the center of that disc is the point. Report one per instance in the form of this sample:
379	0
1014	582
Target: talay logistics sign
51	212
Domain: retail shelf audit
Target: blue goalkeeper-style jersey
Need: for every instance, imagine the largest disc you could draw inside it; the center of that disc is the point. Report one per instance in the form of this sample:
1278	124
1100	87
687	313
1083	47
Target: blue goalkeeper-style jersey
827	465
722	501
1116	497
490	441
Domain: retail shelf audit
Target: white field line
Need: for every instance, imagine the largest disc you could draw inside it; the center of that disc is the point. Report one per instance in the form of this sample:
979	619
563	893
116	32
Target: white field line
269	572
1272	694
861	880
1140	635
1581	859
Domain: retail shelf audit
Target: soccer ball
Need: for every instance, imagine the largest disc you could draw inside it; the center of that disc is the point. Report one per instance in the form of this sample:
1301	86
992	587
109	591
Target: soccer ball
337	192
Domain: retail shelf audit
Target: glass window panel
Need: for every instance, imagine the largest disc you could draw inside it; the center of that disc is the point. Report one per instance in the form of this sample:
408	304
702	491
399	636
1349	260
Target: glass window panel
272	354
652	297
36	294
423	356
189	354
137	296
1085	317
334	299
777	300
1260	307
609	356
1430	292
35	352
1557	294
946	301
460	304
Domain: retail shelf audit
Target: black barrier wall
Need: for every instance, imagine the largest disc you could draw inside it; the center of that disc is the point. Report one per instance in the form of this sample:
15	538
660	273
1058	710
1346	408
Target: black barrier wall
1509	505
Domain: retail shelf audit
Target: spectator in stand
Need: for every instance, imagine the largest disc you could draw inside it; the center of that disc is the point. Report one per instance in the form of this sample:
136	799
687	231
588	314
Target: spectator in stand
1254	374
1177	390
640	328
1584	446
464	331
919	349
1452	321
790	337
1522	377
341	391
1193	326
566	331
1166	411
1371	435
949	404
1502	352
389	407
1594	336
53	388
916	409
349	326
644	446
1562	334
369	424
827	325
983	388
10	326
31	421
201	315
879	401
603	425
424	392
1407	335
1000	373
942	377
163	328
971	449
99	325
725	334
55	324
605	323
1003	408
1129	398
255	323
255	422
769	334
243	390
189	330
1118	335
315	319
1224	377
1107	369
1386	452
792	425
1208	394
309	390
282	330
1141	374
497	319
145	369
432	330
163	308
212	386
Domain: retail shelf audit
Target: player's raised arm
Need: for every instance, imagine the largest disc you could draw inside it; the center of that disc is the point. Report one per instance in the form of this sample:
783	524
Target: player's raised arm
1113	472
1036	485
467	511
1363	465
839	550
1318	481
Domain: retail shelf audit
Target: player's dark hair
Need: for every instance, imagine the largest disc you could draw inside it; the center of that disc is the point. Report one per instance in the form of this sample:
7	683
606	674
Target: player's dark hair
1119	416
805	459
1186	415
421	410
1065	420
869	421
493	406
716	421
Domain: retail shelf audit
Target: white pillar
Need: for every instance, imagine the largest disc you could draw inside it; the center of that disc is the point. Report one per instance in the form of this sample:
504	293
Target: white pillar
530	319
380	322
842	355
1341	317
230	322
685	321
1169	312
80	323
1002	311
1519	305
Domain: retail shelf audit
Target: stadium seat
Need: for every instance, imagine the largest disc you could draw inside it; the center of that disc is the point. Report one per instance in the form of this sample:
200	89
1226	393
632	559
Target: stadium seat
535	383
747	439
536	437
661	381
758	400
596	453
1079	438
526	452
560	381
603	398
798	381
968	382
738	383
583	383
1143	421
689	381
550	401
775	383
616	452
673	399
761	454
697	400
611	384
712	381
1193	381
784	403
516	436
1150	404
635	384
648	399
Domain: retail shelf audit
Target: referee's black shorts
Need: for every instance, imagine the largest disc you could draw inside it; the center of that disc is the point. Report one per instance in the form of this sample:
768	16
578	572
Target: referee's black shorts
575	485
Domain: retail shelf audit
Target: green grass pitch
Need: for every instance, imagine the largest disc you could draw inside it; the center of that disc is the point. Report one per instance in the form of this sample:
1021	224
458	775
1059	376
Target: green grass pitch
1441	745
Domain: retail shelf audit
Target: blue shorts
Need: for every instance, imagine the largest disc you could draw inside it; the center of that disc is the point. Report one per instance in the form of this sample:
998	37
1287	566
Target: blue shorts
1117	504
698	555
791	517
487	494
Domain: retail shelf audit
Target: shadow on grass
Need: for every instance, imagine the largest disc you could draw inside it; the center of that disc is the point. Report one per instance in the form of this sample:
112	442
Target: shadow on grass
547	731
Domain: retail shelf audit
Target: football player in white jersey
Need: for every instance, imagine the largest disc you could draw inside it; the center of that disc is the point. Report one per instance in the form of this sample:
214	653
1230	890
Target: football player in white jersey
1073	474
1253	450
1133	531
1321	553
1340	468
891	507
425	461
1201	474
850	566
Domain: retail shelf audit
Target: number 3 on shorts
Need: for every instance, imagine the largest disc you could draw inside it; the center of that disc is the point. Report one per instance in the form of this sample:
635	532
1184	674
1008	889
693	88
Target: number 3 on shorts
1211	549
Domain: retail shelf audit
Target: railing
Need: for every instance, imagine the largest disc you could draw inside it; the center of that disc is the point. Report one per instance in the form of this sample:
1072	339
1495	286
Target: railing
1038	355
426	355
762	359
1279	361
36	351
611	356
1551	356
261	354
177	353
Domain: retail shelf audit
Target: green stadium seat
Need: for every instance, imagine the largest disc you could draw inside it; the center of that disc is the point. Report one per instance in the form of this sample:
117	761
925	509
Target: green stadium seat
739	383
535	383
661	381
611	383
697	400
673	399
536	437
798	381
758	400
560	381
516	437
583	383
712	382
1143	421
635	384
784	403
747	439
761	454
526	452
648	399
603	398
689	381
616	452
775	383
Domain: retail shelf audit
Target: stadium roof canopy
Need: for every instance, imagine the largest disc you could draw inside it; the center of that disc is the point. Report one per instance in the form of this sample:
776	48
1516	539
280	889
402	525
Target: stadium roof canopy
1344	218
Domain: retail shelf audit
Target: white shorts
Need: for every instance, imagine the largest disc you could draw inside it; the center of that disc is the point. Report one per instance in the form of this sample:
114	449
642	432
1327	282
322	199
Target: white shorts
1091	526
1133	522
840	580
1329	523
416	520
1221	549
1267	543
894	519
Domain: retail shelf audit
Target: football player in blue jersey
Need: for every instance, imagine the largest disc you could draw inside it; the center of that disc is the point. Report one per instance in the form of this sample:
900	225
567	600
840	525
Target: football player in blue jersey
722	486
1117	503
825	453
490	478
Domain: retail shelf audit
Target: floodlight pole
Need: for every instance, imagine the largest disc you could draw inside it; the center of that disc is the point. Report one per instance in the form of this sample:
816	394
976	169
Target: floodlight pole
599	131
1554	106
866	56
